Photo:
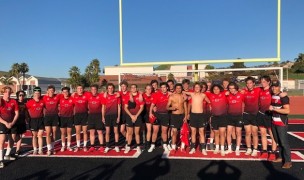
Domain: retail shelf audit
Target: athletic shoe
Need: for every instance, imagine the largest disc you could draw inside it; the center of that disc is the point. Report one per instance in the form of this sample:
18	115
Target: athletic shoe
216	151
138	149
278	160
233	146
287	165
107	149
17	153
248	152
228	151
169	147
223	152
152	147
76	149
192	151
166	149
1	164
211	146
271	157
92	149
49	152
254	153
117	149
69	149
204	152
264	155
237	152
40	152
85	149
35	152
54	151
9	158
101	149
62	149
127	149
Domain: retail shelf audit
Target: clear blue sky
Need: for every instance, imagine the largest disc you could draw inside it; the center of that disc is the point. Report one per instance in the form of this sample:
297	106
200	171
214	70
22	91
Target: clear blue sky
53	35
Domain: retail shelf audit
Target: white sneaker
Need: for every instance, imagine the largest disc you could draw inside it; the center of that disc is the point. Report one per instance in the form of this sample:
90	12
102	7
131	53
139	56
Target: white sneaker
228	151
117	149
192	151
216	151
40	152
127	149
254	153
152	147
169	147
248	152
204	152
166	149
237	152
138	149
62	149
69	149
1	164
35	152
49	152
106	150
223	153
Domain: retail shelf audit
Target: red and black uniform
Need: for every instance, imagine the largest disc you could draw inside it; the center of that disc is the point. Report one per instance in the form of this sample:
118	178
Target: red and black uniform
148	101
20	126
111	103
94	106
251	102
66	112
124	97
81	109
35	109
235	109
7	113
218	110
264	115
51	110
161	100
134	111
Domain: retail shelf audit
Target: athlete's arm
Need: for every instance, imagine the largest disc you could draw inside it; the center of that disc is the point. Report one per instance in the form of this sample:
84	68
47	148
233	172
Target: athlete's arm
206	99
103	113
119	110
151	109
140	110
15	117
186	111
284	110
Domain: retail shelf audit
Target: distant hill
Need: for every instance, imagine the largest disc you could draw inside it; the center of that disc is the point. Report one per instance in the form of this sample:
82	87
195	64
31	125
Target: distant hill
3	73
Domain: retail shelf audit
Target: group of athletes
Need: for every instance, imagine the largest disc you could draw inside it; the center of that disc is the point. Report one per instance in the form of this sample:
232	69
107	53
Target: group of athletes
224	108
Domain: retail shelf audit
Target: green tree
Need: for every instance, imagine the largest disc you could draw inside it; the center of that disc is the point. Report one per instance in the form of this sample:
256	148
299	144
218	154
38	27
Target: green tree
15	71
75	76
24	68
238	65
92	72
171	76
163	67
298	66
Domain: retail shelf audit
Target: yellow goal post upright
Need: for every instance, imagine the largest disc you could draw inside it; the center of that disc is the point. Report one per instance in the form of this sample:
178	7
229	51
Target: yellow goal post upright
200	61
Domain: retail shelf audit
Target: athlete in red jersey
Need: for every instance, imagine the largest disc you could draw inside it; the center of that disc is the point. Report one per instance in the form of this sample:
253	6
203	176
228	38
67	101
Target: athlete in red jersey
148	98
218	116
264	117
111	108
81	117
125	96
154	84
251	101
94	118
9	113
160	100
35	108
66	113
235	116
170	83
51	120
134	119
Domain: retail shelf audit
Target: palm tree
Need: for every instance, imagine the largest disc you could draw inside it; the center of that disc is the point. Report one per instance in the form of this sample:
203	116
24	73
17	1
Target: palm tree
92	72
75	77
24	68
15	71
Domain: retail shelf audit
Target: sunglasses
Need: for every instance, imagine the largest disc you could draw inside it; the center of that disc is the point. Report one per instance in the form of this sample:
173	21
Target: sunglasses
21	95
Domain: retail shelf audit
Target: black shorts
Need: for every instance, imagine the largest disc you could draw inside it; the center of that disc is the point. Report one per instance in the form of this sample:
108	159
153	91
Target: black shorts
137	123
198	120
264	120
81	119
146	118
51	120
236	121
4	129
218	121
36	124
123	118
111	120
18	128
162	119
95	122
66	122
250	119
177	120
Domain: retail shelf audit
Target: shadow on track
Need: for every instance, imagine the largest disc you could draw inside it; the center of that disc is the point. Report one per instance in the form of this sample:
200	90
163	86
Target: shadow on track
219	170
43	174
275	174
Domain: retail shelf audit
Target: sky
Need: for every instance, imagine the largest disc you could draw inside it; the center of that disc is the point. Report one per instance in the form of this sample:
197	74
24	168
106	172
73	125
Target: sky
51	36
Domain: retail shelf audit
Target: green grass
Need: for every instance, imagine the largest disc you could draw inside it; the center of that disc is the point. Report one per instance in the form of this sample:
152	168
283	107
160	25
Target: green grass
296	116
293	75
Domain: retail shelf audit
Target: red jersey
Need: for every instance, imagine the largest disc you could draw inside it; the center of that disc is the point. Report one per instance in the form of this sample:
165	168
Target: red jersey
95	103
66	107
80	103
218	104
35	108
251	100
138	103
7	109
124	97
161	100
51	104
148	101
235	104
265	100
111	102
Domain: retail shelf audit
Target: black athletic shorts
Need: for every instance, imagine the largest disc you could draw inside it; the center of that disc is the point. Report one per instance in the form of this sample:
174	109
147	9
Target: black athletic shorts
162	119
111	120
177	120
19	128
95	122
218	121
4	129
198	120
249	119
146	118
51	120
123	118
264	119
137	123
36	124
236	121
66	122
81	119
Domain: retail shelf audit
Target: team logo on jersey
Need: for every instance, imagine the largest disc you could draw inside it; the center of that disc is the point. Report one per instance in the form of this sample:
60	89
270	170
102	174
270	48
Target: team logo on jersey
9	109
41	104
238	97
83	97
80	101
34	105
70	101
12	104
52	102
233	101
38	109
94	102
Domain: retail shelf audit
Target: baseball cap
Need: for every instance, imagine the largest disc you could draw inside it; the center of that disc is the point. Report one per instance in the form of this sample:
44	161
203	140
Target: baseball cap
275	83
